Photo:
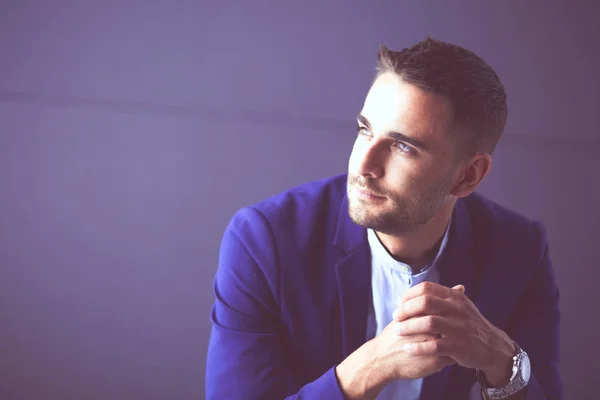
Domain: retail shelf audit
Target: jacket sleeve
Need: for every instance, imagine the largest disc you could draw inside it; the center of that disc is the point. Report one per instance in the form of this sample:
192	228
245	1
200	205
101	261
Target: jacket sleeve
247	354
535	326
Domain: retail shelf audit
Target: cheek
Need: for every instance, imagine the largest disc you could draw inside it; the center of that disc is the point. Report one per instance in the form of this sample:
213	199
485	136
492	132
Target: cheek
404	179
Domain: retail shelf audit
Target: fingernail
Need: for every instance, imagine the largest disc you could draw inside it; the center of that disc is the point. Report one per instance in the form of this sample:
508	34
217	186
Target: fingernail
395	314
407	347
398	329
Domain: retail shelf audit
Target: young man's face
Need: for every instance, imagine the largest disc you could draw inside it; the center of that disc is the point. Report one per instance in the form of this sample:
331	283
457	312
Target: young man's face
403	154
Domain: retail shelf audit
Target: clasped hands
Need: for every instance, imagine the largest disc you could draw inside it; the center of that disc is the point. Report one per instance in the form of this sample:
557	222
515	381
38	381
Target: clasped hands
446	324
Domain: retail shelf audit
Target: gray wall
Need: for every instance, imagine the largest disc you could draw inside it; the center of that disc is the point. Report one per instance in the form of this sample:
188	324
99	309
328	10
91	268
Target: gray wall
131	131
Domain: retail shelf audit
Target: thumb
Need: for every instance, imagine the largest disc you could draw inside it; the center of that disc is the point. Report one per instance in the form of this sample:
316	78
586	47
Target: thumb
460	288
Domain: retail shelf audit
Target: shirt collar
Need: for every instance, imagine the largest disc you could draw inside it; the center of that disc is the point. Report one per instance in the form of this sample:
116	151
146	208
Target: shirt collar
379	252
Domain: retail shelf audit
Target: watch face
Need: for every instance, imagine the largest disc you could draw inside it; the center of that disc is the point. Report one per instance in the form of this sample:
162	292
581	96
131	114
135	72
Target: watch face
525	368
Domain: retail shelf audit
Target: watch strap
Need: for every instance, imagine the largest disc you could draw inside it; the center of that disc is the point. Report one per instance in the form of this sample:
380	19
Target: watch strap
514	386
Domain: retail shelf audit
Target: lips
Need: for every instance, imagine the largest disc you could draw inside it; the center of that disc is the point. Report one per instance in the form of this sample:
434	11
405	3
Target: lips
366	192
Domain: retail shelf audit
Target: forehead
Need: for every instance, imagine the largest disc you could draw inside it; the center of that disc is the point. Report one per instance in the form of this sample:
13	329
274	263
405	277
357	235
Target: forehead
394	105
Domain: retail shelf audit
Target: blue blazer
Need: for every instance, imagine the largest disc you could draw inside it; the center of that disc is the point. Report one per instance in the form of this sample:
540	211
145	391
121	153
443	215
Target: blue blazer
293	286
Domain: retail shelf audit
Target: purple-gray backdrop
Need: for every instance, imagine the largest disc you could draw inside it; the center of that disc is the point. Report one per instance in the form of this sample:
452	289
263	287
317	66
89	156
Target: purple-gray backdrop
130	132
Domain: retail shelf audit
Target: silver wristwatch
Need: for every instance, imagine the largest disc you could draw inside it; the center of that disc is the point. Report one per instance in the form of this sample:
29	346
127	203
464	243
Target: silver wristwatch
521	372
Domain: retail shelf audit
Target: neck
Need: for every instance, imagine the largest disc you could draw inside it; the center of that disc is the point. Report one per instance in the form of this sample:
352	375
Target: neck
417	248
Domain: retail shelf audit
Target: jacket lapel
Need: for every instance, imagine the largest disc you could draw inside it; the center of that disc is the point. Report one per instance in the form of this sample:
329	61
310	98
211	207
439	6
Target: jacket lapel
457	266
353	273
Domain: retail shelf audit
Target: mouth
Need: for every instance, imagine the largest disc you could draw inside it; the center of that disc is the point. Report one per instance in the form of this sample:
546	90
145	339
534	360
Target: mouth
368	194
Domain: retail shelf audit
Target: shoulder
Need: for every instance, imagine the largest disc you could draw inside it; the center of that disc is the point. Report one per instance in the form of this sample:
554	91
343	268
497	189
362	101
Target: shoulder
487	213
500	229
290	226
289	223
318	198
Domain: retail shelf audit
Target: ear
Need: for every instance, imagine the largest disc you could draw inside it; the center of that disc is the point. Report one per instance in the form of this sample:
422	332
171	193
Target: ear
475	169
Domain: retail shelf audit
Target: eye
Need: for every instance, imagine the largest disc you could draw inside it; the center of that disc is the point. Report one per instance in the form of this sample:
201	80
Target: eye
404	148
361	130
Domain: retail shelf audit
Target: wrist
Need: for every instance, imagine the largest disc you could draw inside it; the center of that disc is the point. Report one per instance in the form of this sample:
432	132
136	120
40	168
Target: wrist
499	376
358	376
499	371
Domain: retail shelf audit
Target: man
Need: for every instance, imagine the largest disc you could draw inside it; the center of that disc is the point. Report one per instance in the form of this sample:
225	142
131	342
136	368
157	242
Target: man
395	281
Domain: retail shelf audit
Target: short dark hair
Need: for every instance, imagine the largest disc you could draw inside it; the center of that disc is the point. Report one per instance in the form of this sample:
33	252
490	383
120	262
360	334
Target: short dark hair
476	95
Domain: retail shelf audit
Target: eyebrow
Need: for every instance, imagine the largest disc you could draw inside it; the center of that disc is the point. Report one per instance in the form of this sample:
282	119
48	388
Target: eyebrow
397	136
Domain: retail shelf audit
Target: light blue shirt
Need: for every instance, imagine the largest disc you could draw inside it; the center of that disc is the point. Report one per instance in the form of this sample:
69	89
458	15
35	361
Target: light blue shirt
389	280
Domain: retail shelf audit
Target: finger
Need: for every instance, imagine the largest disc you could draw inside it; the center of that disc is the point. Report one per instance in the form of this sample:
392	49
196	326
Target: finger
429	288
429	324
439	347
459	288
421	338
424	305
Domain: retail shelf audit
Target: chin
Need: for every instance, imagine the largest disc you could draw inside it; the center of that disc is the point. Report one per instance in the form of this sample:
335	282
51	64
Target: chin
362	217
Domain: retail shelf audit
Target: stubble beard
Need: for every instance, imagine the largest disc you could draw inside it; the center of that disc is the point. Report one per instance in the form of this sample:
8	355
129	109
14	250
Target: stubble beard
398	215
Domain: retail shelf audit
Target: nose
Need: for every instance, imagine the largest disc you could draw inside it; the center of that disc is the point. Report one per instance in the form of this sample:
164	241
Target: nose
372	159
